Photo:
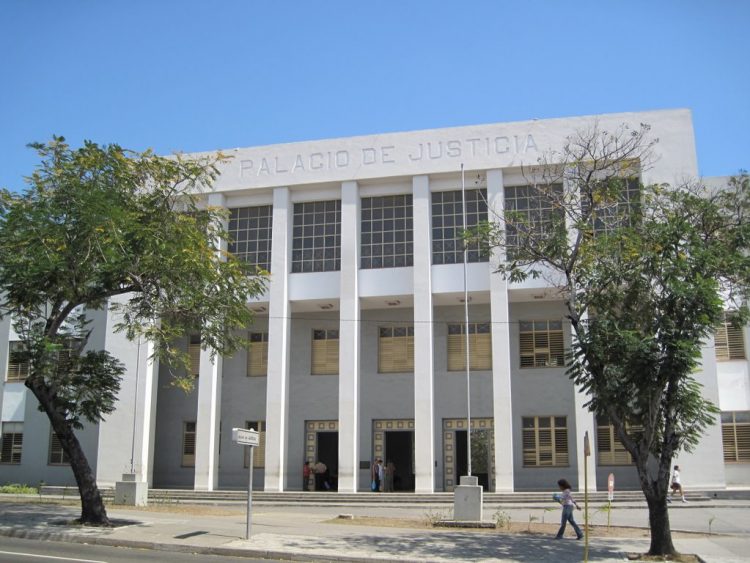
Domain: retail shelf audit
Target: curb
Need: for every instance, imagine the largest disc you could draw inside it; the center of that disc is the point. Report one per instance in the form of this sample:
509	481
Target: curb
185	548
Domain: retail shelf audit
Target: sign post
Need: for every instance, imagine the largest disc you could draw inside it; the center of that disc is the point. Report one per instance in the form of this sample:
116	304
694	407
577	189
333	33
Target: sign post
247	438
610	496
586	454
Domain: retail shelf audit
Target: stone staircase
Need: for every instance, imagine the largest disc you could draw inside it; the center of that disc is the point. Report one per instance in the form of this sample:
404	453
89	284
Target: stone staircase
298	498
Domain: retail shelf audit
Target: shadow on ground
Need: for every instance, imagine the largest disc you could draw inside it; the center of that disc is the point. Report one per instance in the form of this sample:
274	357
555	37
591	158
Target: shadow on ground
431	546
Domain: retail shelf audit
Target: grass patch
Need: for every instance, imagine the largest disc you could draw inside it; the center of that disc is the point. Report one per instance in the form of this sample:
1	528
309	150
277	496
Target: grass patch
18	489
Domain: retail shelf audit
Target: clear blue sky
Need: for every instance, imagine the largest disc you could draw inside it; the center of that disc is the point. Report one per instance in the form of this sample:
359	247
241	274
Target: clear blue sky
192	75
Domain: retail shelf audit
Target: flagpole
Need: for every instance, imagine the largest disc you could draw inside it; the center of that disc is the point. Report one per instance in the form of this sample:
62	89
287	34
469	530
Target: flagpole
466	327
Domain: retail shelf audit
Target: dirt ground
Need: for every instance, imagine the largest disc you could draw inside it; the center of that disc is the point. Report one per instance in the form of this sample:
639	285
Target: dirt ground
526	528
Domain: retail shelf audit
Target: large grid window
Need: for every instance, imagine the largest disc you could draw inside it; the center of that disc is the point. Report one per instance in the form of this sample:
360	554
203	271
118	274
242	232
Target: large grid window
623	209
545	441
529	214
396	349
194	352
447	226
257	354
609	449
316	237
12	442
541	344
480	347
250	231
56	454
729	340
188	444
735	433
325	352
387	232
18	368
259	455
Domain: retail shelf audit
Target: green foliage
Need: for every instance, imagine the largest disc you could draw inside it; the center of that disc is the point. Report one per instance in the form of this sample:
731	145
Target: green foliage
644	272
502	519
17	489
103	226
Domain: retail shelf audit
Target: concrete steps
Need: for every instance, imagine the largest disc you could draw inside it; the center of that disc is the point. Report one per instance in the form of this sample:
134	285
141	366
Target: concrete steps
363	498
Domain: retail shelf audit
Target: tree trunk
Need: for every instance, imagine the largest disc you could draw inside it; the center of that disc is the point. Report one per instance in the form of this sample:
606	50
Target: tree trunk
93	512
661	533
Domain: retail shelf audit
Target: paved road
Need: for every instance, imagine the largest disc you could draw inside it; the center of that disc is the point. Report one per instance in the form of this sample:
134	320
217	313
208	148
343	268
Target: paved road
14	550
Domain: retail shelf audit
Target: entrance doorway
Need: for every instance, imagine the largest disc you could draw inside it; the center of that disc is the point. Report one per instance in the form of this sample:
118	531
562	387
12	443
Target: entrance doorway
479	456
328	453
322	444
455	452
399	449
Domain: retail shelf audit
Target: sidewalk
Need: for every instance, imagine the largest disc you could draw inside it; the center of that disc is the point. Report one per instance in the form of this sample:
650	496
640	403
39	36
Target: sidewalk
306	534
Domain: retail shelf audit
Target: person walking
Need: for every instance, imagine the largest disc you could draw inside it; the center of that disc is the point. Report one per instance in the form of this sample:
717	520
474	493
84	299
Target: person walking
568	506
676	484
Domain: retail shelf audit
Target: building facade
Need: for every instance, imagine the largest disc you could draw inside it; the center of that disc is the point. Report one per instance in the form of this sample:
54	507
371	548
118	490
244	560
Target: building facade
358	347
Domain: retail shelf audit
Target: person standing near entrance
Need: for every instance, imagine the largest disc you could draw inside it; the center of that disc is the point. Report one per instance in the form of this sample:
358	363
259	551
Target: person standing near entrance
568	506
375	472
390	474
306	471
381	475
320	469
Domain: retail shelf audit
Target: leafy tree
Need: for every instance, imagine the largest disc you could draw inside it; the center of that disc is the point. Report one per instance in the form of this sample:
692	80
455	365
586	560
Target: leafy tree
101	226
644	272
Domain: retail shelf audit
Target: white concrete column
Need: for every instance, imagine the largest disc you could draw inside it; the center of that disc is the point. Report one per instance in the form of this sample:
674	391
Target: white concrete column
277	390
424	423
208	419
501	353
349	339
4	351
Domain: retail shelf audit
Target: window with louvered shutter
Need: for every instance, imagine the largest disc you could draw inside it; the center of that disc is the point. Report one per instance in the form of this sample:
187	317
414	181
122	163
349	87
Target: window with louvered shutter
12	442
259	455
609	449
480	347
545	441
541	344
194	352
257	354
57	455
325	352
729	340
188	444
396	349
735	434
18	369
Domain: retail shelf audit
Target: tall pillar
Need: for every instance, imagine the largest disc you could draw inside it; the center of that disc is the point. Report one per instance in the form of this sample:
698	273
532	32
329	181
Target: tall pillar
501	374
208	419
349	340
277	390
424	423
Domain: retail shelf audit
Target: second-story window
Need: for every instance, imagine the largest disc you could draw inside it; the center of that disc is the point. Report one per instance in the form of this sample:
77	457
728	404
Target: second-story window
250	230
530	215
325	352
447	225
316	236
18	367
387	232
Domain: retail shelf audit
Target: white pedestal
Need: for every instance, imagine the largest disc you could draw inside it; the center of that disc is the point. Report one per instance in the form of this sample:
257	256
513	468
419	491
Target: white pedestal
131	492
467	500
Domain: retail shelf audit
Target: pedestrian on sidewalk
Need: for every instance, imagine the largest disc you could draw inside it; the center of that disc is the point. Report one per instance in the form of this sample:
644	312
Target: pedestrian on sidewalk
676	484
390	474
568	506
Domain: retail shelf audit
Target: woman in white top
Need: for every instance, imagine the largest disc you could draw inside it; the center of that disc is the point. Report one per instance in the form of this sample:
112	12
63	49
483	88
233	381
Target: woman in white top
676	484
568	505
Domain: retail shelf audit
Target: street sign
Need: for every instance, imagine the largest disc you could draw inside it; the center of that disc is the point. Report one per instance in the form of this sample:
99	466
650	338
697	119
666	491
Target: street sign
611	487
245	437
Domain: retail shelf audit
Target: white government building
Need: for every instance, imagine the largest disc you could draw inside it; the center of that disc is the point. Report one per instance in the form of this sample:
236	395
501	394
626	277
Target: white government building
356	352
